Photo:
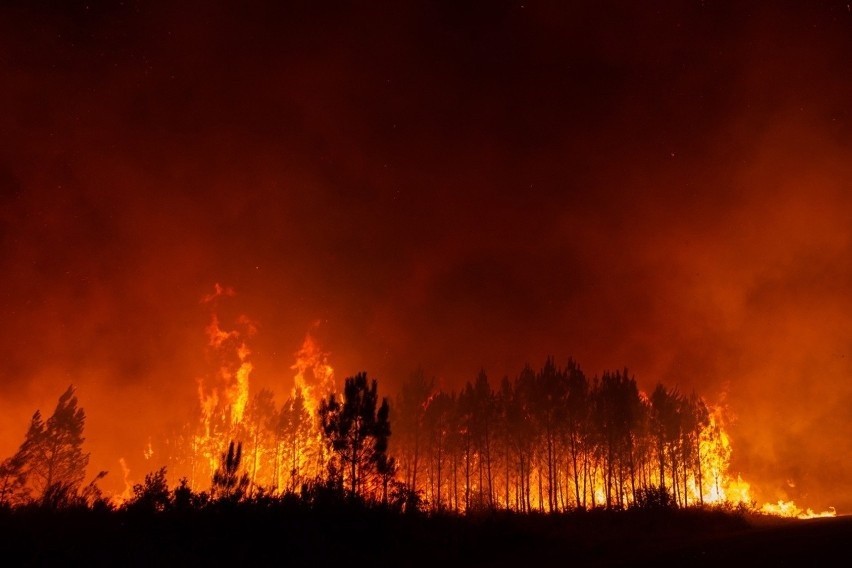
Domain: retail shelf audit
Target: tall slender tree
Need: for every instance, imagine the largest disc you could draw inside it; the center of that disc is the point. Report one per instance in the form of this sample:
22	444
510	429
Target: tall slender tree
292	432
228	483
409	414
437	425
576	426
351	426
51	457
258	428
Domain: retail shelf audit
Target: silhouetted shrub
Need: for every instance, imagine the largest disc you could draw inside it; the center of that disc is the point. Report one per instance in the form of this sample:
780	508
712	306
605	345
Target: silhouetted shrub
152	495
654	498
404	499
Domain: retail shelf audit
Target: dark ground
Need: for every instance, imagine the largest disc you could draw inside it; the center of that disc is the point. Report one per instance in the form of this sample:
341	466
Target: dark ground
371	538
811	542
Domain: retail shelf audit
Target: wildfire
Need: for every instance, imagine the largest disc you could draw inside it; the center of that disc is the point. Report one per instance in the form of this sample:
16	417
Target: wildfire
230	390
314	375
283	446
734	490
790	509
128	486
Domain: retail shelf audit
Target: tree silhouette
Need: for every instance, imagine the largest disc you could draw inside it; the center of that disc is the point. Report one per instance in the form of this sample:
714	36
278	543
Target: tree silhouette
575	427
618	409
553	440
352	428
549	404
152	495
525	427
484	403
13	479
409	415
258	427
699	420
504	411
228	483
385	465
663	415
437	424
466	412
292	434
51	457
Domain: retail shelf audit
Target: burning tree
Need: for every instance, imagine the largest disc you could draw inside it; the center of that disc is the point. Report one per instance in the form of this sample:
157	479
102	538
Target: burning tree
257	429
549	439
553	439
282	446
229	484
409	415
50	463
293	438
357	432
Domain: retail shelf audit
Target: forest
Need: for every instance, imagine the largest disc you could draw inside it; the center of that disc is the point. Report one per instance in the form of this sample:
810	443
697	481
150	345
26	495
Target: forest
549	465
548	440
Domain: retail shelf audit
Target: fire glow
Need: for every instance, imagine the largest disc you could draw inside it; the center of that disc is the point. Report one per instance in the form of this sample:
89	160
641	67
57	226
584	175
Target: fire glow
442	186
284	446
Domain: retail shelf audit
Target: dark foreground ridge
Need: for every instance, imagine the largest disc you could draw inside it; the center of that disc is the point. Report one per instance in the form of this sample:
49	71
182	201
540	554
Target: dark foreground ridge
356	536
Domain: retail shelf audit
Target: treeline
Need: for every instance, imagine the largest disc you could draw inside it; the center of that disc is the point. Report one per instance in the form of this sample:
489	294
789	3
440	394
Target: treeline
553	439
48	470
550	439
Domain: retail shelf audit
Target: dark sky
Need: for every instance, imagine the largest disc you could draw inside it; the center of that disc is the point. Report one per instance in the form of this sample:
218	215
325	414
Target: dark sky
663	186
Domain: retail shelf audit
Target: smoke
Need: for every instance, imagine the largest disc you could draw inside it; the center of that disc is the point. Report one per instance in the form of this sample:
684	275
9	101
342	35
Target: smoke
440	187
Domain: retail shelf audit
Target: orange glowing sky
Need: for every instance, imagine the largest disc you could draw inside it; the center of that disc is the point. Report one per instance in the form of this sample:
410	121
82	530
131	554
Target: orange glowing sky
666	188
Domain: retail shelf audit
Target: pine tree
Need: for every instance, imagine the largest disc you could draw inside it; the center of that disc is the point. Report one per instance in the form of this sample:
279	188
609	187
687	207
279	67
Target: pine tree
355	432
409	414
52	459
12	482
385	465
228	483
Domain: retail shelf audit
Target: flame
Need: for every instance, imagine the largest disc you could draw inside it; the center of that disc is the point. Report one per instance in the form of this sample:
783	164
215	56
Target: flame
790	509
128	486
224	394
313	381
241	385
715	456
736	491
283	445
314	375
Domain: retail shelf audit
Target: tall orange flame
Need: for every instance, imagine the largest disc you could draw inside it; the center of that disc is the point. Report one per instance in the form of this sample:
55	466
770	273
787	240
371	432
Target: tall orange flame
314	375
284	447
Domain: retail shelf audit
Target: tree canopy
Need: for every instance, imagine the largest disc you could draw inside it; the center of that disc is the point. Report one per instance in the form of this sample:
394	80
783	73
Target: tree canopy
50	462
357	432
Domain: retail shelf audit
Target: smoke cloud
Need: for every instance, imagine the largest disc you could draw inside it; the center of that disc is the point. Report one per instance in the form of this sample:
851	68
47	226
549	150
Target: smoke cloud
426	185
